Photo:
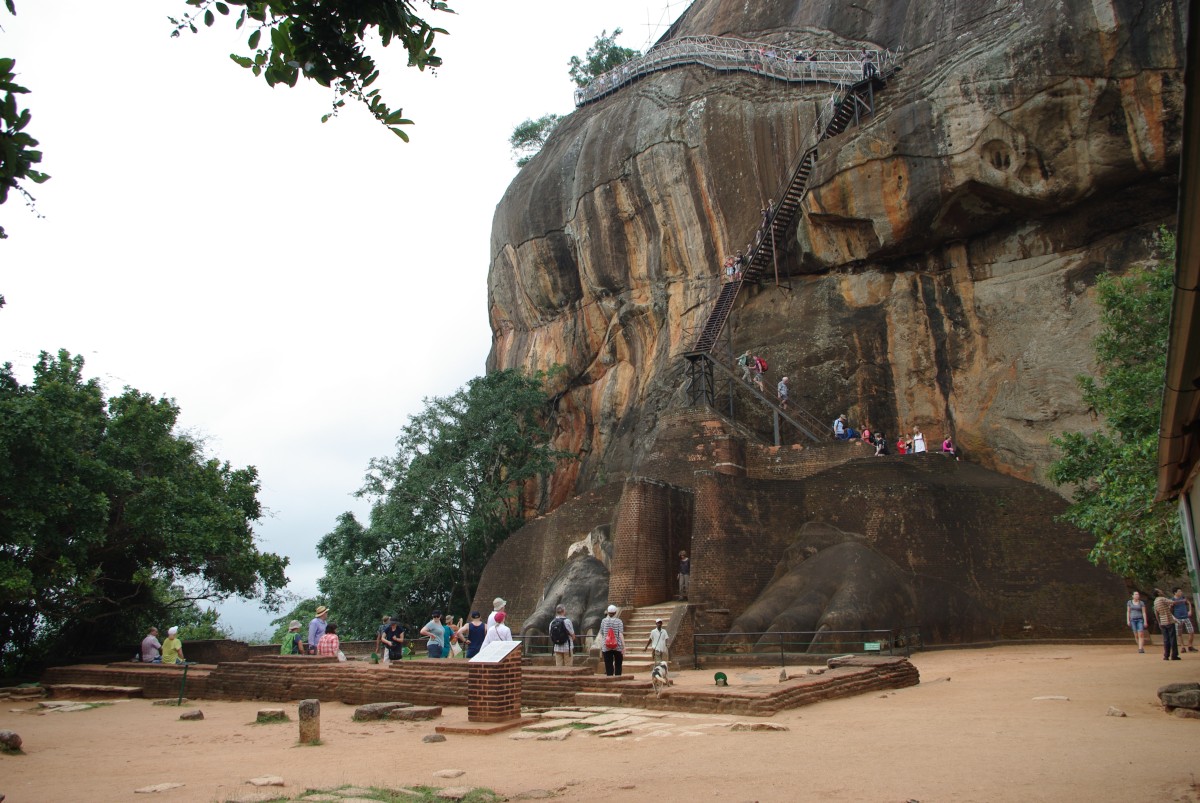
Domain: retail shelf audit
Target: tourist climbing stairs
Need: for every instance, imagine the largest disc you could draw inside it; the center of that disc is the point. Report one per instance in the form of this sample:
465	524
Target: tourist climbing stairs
637	631
833	121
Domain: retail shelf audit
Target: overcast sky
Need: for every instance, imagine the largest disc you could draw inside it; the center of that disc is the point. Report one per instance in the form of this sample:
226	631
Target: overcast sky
297	287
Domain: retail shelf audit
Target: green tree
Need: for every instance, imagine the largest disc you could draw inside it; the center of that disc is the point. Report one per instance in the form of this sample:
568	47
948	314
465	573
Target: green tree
302	612
327	43
1114	471
18	150
604	54
461	480
529	137
105	509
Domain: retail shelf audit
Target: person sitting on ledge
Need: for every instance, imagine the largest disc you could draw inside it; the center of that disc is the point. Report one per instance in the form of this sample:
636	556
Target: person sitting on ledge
151	648
172	648
329	643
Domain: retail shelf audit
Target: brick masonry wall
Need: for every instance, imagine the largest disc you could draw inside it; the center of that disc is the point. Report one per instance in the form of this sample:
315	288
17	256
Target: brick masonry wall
988	541
494	690
653	524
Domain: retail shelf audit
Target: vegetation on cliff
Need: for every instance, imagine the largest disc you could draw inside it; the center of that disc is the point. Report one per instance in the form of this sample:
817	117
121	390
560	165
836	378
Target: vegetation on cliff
1114	470
111	519
530	135
457	486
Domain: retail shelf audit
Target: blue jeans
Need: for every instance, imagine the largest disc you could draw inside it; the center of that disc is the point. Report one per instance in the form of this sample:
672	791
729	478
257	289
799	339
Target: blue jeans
435	650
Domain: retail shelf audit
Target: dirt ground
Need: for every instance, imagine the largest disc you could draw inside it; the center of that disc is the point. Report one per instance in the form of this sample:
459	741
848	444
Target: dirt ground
973	730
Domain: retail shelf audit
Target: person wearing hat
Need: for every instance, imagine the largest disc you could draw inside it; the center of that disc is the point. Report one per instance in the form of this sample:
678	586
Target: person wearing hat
658	642
316	629
498	633
684	575
473	632
612	647
292	645
497	605
172	648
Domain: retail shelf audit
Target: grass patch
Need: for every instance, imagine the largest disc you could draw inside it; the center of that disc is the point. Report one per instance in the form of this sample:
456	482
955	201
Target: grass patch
581	726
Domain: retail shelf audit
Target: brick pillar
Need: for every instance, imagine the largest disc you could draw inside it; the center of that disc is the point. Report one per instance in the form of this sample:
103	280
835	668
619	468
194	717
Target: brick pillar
494	689
651	526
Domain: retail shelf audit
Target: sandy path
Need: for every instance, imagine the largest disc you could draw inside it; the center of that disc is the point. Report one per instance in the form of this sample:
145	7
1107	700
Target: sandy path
979	736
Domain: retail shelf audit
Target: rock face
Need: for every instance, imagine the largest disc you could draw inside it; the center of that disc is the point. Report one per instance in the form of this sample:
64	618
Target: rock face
941	272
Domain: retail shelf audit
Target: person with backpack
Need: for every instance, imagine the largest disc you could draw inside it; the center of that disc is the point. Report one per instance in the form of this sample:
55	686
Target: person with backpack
292	643
760	368
562	636
612	639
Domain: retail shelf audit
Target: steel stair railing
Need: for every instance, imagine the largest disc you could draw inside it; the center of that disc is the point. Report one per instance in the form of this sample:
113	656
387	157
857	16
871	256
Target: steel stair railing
818	65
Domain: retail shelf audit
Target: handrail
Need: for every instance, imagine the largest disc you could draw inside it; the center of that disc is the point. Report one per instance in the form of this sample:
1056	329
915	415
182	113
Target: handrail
727	53
731	373
904	638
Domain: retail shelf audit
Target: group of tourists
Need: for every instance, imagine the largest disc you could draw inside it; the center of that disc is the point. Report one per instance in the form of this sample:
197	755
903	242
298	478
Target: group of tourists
1174	616
913	443
734	267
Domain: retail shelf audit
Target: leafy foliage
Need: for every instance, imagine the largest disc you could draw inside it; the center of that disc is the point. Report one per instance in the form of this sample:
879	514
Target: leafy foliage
326	42
1114	471
18	150
110	519
604	55
529	137
453	492
302	612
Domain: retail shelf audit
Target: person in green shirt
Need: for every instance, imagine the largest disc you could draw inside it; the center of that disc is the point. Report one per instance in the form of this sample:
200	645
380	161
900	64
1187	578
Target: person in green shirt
172	648
292	645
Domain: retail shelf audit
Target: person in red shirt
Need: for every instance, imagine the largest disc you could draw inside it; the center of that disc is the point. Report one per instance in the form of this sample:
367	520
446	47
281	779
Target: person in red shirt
329	644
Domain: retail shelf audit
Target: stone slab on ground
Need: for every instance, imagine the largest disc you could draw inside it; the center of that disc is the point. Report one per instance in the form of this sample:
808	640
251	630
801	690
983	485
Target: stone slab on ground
597	698
375	711
415	713
601	719
454	792
546	727
556	736
452	773
272	715
266	780
194	714
558	713
468	728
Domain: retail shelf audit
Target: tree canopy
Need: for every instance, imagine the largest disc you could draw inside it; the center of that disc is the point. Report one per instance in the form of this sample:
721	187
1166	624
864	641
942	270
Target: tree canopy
110	518
458	484
529	137
604	55
1114	470
18	150
327	43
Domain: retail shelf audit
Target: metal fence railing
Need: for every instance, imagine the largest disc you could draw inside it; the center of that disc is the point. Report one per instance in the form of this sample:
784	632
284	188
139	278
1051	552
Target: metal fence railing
801	646
725	53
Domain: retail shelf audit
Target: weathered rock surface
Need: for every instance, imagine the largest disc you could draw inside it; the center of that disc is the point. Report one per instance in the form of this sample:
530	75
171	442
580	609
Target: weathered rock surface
942	271
375	711
10	740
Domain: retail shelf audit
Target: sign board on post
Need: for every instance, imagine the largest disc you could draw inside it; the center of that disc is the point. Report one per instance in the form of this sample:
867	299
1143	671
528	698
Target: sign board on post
494	683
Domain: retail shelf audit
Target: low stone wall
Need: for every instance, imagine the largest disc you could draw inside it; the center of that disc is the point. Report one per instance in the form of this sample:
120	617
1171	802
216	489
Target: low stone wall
289	678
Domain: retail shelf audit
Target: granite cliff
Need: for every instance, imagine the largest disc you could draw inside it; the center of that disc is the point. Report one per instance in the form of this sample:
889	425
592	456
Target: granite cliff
941	272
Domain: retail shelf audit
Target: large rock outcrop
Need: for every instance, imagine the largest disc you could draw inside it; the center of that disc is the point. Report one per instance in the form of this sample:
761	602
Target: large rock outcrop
941	273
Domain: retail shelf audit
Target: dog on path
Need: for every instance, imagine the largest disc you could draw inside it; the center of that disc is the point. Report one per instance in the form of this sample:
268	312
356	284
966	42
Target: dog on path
660	676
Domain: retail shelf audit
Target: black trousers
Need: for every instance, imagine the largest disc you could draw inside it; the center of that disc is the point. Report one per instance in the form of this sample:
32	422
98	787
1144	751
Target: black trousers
612	661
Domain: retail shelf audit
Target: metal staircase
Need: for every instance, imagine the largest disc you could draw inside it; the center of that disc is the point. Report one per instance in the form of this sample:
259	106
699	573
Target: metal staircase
834	119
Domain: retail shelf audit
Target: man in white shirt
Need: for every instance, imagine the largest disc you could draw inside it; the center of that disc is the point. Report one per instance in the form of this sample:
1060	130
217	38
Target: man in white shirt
658	642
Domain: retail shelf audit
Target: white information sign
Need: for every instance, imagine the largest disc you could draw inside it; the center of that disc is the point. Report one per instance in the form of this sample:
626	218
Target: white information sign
495	652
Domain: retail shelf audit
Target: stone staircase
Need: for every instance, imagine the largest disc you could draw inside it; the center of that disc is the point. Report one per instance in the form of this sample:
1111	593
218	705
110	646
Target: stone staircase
637	630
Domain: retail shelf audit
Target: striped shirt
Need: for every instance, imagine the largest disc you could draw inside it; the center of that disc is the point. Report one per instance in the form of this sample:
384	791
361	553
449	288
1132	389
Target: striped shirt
614	624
